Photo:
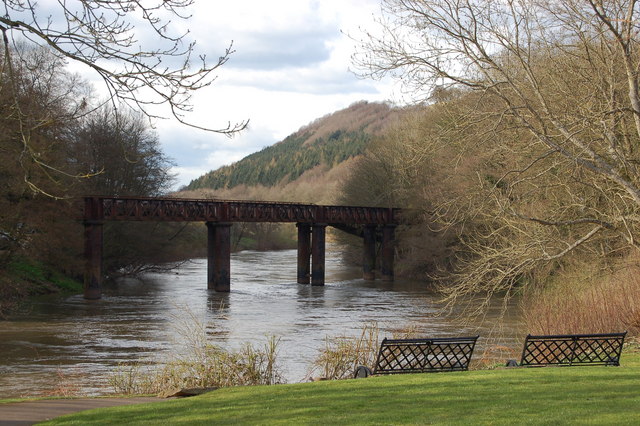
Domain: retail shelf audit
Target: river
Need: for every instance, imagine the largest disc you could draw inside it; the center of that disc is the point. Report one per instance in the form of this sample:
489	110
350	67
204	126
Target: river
74	345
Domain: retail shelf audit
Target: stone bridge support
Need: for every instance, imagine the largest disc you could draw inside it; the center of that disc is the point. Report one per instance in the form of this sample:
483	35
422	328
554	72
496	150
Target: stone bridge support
304	253
311	246
93	235
219	256
369	252
93	260
318	253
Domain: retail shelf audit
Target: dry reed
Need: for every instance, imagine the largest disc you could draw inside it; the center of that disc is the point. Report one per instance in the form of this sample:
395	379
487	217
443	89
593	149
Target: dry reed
596	305
342	354
67	385
203	366
206	367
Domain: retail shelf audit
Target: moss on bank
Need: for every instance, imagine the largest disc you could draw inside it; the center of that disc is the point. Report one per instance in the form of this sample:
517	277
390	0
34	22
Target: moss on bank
45	279
23	278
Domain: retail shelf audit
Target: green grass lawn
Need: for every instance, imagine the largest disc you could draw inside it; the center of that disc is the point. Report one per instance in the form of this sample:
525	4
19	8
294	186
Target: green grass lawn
576	395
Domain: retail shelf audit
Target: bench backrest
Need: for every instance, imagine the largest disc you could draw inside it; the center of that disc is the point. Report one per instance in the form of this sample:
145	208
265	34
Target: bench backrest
595	349
424	355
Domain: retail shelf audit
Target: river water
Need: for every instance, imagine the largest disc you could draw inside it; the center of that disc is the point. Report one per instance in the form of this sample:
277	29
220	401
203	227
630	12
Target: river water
74	345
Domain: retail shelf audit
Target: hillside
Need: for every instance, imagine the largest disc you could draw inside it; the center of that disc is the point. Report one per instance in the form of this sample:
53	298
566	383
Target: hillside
308	154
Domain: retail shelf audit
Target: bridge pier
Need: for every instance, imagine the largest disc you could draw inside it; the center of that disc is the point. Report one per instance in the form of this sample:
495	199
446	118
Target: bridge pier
219	256
93	260
318	253
304	252
93	236
388	252
369	252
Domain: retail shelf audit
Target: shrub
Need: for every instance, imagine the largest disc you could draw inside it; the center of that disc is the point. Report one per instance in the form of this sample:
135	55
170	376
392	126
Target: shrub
208	366
342	354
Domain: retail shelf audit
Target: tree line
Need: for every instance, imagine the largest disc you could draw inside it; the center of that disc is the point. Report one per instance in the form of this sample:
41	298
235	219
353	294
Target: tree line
57	146
328	141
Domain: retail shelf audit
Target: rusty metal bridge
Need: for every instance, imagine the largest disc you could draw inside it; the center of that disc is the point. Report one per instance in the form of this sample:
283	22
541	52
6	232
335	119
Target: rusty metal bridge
218	215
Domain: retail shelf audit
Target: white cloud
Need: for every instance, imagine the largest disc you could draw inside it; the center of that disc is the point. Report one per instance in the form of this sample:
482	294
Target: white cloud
290	67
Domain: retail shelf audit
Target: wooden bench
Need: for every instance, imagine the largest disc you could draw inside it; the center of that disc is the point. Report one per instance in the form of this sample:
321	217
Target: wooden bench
571	349
421	356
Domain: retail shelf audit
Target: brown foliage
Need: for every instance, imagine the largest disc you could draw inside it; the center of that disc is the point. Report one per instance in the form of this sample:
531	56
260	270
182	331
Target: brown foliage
318	185
369	117
540	102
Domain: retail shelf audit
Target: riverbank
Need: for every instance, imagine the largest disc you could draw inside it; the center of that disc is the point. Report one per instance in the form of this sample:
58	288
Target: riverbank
594	395
23	278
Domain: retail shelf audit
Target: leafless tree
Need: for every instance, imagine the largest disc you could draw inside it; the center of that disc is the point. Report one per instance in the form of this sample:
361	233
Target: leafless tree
123	152
552	88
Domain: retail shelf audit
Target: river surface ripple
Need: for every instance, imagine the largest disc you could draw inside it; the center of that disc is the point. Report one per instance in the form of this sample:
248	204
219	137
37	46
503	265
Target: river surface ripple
74	345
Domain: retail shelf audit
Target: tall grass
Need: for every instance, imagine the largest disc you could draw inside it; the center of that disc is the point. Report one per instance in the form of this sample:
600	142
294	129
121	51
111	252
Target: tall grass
342	354
593	303
209	366
203	365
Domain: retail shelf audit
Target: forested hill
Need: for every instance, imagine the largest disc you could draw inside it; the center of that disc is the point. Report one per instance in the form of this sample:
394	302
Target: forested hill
329	141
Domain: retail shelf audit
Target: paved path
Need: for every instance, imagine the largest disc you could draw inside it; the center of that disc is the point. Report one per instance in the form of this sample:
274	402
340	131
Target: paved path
30	412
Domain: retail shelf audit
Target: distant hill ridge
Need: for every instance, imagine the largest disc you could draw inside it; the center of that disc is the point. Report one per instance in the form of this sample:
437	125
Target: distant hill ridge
327	141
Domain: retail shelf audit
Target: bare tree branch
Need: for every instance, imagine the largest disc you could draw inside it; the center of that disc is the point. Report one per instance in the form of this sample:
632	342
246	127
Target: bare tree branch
101	36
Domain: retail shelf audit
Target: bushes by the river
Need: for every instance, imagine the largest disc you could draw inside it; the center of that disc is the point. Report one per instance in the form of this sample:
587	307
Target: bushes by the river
202	366
263	236
341	355
207	365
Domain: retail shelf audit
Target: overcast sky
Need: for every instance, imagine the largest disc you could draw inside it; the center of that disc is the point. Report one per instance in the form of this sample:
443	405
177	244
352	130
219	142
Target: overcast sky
291	66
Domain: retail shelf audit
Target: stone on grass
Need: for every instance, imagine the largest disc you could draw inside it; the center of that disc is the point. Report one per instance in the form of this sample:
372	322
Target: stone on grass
183	393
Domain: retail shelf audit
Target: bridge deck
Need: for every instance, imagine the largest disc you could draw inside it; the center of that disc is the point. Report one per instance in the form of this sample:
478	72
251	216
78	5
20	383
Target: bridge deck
179	210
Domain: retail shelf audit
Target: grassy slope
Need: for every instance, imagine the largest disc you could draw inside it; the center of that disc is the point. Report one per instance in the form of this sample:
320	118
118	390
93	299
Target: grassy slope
44	279
594	395
23	278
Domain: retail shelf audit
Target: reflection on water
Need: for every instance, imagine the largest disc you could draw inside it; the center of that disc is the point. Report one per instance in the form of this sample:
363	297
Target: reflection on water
78	342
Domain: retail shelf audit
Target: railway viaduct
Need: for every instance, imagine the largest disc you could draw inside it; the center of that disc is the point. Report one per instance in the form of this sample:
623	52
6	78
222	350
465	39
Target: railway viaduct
218	215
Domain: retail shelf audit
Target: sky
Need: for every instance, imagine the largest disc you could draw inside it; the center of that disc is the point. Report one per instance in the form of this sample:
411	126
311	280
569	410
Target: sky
291	65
